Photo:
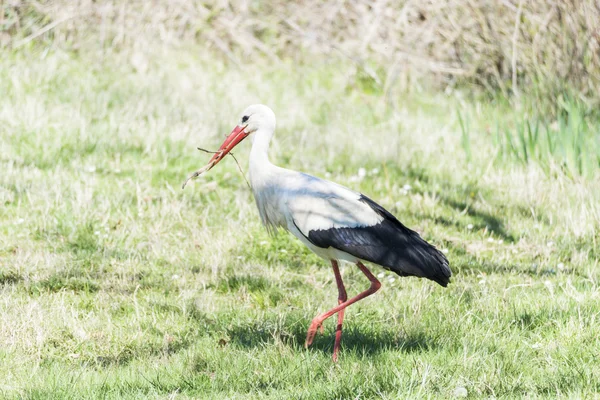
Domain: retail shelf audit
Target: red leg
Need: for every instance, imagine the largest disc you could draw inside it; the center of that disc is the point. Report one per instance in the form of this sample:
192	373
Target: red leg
318	320
342	297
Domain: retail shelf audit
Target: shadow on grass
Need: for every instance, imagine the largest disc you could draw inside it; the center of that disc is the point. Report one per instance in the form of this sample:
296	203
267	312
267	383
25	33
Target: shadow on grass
465	263
463	198
360	340
487	220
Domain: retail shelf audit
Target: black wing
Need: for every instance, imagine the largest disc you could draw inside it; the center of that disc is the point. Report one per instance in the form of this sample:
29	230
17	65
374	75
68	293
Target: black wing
389	244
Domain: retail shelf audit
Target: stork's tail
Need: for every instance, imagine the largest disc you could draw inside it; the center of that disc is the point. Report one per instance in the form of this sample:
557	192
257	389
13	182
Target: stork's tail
422	259
407	253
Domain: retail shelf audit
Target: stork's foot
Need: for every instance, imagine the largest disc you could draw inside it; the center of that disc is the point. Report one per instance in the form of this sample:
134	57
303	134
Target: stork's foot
318	323
336	348
315	325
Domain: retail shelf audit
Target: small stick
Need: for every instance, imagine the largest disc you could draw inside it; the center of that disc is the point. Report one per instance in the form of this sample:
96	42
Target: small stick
197	174
210	165
206	151
241	171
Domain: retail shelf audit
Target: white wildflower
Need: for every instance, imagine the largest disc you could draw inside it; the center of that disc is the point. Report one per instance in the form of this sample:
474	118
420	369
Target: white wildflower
460	392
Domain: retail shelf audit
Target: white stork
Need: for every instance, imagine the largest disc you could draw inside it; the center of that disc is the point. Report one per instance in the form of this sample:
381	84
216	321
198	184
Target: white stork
334	222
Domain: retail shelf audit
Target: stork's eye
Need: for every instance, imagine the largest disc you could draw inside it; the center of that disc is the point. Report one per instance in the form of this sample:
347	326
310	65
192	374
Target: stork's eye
245	119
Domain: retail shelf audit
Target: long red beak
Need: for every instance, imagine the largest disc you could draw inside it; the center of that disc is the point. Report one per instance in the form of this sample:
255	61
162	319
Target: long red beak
236	136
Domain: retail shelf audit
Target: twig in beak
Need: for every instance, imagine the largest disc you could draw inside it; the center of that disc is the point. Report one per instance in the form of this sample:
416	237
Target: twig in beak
206	151
241	171
197	173
209	166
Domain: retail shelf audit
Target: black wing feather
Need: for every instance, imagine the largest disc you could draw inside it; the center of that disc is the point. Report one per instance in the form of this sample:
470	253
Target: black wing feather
389	244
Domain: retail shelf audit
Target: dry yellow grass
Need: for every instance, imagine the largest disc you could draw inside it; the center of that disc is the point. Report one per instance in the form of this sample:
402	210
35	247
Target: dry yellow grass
539	47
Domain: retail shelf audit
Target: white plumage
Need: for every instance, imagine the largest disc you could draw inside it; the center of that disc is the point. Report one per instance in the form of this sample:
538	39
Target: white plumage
295	201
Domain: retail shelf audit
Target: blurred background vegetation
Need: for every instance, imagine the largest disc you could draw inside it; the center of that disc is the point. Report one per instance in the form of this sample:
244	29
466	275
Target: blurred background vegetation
542	49
542	58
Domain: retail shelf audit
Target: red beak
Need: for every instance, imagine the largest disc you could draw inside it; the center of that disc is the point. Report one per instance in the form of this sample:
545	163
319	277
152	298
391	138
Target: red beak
236	136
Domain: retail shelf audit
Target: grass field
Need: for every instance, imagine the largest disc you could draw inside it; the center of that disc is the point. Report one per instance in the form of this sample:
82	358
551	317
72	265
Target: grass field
115	283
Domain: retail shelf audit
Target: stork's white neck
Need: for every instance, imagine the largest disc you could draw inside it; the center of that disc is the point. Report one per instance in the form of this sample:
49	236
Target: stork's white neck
260	166
260	144
265	179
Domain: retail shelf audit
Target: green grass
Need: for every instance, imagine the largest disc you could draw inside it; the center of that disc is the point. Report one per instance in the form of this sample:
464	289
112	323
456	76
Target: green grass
115	283
569	146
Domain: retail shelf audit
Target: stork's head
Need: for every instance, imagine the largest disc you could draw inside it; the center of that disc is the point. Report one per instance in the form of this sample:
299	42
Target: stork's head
257	117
